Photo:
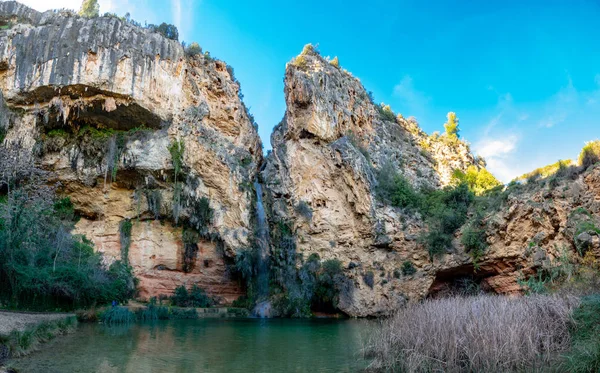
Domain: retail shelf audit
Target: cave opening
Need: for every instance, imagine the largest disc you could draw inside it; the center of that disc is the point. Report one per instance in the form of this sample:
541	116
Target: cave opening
462	280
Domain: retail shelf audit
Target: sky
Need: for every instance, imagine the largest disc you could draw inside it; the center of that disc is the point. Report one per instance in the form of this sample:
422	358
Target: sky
522	76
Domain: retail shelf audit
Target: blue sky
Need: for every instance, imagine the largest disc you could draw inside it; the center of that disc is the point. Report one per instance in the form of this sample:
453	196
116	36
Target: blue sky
522	76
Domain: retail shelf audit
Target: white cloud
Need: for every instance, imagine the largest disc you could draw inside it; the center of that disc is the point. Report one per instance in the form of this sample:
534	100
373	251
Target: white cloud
412	101
499	152
496	148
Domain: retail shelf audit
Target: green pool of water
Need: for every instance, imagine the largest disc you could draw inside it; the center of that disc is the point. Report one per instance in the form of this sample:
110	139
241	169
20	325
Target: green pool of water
209	345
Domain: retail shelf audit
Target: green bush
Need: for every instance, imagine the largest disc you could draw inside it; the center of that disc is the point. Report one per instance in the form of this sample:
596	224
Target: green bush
308	49
300	61
63	272
584	355
177	148
117	315
326	290
335	62
64	209
195	297
557	168
125	239
395	188
386	113
474	240
89	9
436	242
590	154
202	214
154	202
479	180
408	268
153	312
585	226
193	49
167	30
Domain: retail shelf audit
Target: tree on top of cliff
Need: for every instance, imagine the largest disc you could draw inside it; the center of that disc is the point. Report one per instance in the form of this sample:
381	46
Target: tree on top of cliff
451	126
167	30
89	8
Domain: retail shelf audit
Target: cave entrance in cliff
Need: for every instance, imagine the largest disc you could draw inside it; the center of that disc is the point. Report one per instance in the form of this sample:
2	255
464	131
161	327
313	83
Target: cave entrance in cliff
462	280
75	107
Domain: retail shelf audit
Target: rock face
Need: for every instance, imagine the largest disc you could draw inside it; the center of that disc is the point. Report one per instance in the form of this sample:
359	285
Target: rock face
539	224
321	179
100	102
138	133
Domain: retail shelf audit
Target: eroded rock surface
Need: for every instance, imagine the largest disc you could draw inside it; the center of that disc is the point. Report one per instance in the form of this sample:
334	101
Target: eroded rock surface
321	178
135	130
100	101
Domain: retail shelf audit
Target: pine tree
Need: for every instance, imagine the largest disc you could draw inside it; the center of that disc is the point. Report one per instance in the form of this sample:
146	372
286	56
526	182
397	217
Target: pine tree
451	125
89	8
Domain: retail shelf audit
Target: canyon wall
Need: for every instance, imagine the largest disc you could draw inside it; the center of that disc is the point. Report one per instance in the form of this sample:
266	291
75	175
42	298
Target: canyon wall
102	103
321	179
138	132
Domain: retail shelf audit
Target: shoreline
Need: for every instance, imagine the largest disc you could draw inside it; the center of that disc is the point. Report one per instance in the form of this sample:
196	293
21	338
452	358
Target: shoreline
22	332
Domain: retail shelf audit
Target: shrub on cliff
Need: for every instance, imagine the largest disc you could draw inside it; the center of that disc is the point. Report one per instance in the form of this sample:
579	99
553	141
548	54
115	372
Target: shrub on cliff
193	50
395	188
590	154
89	9
42	265
474	240
335	62
167	30
446	211
408	268
479	180
386	113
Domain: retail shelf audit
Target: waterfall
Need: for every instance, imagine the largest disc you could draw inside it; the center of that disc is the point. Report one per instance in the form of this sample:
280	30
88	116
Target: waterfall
262	242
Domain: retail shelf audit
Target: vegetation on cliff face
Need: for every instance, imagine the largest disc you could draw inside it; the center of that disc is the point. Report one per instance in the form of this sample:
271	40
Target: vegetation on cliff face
43	265
297	286
590	154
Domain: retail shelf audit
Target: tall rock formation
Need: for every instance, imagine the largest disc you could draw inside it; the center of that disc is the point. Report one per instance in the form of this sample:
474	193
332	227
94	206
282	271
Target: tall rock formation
321	179
159	156
111	108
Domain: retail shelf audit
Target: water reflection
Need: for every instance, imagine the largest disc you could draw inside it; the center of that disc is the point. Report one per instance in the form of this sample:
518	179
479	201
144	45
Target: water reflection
229	345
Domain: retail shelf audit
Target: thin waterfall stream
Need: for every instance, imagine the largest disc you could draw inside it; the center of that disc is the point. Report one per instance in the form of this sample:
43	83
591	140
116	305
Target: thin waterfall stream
263	308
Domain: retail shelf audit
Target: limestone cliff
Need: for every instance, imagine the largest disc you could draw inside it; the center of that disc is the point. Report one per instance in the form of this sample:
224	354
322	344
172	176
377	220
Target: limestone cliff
159	154
321	180
108	106
540	224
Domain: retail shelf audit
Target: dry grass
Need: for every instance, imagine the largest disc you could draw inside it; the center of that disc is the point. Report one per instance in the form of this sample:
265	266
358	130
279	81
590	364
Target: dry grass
474	334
